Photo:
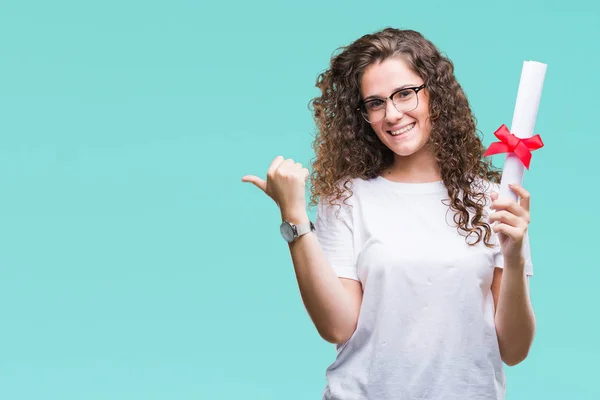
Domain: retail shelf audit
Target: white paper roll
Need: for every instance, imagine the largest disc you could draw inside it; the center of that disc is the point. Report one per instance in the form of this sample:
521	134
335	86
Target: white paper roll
523	123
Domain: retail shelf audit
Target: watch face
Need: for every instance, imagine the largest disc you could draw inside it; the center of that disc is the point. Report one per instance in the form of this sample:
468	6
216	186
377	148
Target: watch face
287	232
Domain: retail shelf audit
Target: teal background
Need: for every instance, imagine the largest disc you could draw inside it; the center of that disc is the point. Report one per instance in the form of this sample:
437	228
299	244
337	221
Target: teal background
135	264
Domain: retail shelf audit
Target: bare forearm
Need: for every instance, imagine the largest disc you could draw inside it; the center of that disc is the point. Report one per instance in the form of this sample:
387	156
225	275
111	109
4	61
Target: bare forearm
515	319
333	311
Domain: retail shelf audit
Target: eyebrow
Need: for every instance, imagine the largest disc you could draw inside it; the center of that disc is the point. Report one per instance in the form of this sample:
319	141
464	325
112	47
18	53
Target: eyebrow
373	97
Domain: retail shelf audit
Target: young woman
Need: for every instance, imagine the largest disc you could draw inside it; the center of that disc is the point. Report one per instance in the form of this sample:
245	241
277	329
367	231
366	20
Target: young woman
414	267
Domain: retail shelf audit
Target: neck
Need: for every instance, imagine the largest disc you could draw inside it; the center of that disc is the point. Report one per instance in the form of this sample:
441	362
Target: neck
420	167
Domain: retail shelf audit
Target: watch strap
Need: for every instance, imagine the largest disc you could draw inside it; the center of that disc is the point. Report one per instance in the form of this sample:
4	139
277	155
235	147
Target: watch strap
305	228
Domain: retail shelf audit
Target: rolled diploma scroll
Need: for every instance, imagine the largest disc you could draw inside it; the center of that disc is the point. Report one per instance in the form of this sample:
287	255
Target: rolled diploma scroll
523	123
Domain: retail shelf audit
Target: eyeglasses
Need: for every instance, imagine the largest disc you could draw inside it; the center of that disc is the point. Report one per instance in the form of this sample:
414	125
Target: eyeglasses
404	100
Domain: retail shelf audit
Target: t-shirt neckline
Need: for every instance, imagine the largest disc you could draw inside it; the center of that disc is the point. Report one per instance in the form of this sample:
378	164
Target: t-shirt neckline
413	187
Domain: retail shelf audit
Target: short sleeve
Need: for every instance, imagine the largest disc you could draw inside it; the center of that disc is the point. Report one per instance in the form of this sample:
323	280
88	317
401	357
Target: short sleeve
499	258
334	231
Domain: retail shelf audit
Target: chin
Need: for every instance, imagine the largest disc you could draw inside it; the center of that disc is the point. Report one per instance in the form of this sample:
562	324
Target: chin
405	151
404	148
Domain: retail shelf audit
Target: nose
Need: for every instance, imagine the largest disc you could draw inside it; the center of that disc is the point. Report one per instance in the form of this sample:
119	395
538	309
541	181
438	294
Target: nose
391	113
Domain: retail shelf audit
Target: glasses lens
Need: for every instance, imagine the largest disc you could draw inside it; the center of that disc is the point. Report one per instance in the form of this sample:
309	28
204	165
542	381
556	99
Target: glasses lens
405	100
373	110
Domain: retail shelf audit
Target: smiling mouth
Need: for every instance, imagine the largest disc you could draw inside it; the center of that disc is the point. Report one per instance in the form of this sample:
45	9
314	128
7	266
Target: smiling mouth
403	130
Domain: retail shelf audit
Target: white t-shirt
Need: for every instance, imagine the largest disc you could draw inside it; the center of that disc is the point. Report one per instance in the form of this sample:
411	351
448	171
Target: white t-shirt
426	325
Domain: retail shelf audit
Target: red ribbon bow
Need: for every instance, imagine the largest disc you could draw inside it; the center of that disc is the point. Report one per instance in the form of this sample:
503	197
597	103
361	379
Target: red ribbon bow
509	143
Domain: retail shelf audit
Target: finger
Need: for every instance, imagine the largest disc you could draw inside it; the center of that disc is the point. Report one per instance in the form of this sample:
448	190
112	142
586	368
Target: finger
511	231
306	173
523	194
509	205
286	166
494	196
259	183
274	165
507	218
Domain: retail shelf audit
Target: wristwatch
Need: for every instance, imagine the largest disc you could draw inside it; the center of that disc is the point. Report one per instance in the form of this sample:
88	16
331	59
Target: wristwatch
291	232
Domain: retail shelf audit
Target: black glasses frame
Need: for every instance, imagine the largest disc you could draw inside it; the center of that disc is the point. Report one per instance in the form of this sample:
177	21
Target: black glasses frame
415	89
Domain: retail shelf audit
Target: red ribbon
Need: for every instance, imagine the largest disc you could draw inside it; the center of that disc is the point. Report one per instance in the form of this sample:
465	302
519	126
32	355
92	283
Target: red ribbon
509	143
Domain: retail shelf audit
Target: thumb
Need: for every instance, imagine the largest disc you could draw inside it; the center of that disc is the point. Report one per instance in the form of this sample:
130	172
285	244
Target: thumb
494	196
259	183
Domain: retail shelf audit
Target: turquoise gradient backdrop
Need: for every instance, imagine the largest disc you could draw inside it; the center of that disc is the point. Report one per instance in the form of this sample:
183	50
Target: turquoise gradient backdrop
135	264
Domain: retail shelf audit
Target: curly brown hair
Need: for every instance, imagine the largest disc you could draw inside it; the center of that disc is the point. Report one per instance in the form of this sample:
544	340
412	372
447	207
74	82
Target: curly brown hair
346	146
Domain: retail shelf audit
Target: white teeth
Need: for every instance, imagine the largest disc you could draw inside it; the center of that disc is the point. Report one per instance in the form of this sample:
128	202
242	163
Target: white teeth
405	129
